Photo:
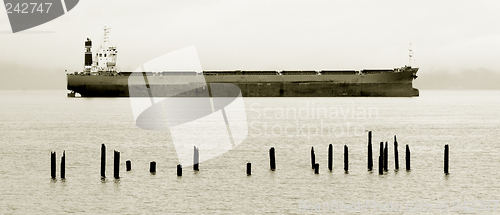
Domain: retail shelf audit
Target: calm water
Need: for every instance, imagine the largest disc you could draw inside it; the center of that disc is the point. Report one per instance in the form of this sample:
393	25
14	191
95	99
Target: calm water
34	123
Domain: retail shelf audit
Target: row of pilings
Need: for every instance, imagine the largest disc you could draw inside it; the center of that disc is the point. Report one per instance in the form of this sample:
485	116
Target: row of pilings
116	164
382	160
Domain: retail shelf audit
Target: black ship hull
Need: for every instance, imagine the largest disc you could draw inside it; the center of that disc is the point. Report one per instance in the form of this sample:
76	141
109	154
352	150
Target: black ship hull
382	84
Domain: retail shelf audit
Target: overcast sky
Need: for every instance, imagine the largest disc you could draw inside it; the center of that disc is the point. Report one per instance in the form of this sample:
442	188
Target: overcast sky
446	36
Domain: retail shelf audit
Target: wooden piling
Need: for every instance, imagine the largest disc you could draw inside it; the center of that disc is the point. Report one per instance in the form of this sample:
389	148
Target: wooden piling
103	161
129	165
116	165
370	156
407	157
272	159
249	168
179	170
196	159
446	157
380	165
381	156
396	156
346	158
313	158
382	153
386	157
63	165
152	167
53	164
330	157
316	168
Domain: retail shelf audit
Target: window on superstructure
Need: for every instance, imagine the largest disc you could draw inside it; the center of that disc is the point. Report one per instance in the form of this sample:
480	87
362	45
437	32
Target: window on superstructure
104	55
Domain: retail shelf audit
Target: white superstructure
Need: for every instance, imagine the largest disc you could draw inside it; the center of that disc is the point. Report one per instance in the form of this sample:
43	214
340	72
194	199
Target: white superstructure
104	61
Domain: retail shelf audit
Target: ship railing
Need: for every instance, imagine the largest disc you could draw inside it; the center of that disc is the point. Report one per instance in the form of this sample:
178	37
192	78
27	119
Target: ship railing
376	71
239	72
306	72
338	72
177	73
221	73
259	72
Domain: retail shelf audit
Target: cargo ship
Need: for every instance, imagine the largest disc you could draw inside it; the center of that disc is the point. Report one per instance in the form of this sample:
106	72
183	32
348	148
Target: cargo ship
100	78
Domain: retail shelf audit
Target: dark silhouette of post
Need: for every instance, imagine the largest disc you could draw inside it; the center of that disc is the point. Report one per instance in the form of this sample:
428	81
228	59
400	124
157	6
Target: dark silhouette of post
313	158
249	168
116	165
152	167
196	159
129	165
446	157
396	156
382	153
179	170
370	156
63	164
386	157
330	157
53	164
380	165
346	158
272	159
103	161
407	157
316	168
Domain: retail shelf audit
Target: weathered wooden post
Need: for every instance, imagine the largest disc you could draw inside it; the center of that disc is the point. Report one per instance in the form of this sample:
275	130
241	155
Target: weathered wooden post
346	158
380	165
313	158
196	159
381	156
103	161
63	165
272	159
179	170
53	164
116	165
386	157
316	168
446	157
396	156
129	165
330	157
370	156
407	157
249	168
152	167
382	153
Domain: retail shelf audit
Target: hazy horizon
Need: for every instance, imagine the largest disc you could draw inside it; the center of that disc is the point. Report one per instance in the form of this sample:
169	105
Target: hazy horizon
456	44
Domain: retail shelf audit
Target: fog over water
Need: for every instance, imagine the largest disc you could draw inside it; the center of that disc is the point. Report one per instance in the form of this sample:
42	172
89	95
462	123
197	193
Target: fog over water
453	42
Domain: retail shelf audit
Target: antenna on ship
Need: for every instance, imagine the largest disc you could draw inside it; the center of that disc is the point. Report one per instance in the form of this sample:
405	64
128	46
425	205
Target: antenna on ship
410	55
106	37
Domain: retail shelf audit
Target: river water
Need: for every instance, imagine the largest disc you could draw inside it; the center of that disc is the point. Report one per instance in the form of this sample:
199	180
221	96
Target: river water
34	123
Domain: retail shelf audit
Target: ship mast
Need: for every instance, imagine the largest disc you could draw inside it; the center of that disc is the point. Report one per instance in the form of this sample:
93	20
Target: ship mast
106	37
410	55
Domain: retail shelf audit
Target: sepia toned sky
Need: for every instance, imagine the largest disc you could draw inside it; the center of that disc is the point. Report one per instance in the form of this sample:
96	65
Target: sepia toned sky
449	38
